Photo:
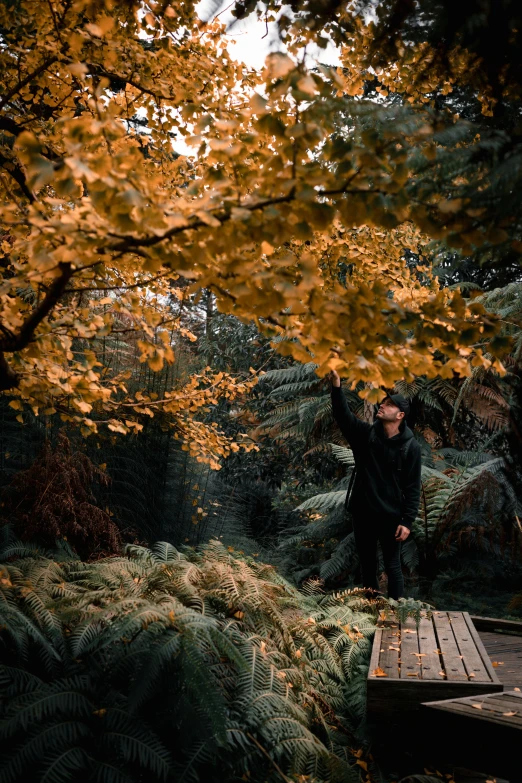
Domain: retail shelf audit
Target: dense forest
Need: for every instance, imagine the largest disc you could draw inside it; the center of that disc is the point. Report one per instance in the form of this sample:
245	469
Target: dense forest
180	588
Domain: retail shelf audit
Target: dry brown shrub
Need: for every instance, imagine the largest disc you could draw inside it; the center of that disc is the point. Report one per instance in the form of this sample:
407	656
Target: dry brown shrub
54	499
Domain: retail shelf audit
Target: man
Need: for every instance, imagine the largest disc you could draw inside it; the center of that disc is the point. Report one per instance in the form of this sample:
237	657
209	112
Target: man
386	491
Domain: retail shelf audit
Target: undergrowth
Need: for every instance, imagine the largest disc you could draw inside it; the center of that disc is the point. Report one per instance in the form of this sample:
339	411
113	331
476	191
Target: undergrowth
168	665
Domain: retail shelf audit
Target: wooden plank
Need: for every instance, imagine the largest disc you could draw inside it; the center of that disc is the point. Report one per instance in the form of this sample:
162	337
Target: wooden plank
473	662
490	716
431	663
502	641
389	660
493	707
492	623
481	649
506	650
508	695
374	660
396	698
509	698
505	697
410	660
447	644
501	706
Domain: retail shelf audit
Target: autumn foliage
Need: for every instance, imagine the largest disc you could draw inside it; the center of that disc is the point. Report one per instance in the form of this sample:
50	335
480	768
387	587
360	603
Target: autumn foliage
106	230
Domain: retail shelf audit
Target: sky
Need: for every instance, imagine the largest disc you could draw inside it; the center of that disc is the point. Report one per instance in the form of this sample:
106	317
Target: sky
250	43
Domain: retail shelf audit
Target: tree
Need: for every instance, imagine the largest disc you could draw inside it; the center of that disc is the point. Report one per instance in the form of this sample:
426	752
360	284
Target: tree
103	224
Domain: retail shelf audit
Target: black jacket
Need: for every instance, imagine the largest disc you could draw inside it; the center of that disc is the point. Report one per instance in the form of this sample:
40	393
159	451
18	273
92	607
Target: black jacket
385	484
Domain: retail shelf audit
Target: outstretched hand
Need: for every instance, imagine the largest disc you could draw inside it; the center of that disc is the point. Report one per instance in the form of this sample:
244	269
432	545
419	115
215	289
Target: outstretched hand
335	380
402	533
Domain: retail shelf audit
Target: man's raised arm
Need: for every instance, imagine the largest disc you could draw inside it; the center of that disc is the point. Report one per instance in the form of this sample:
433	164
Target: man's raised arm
353	429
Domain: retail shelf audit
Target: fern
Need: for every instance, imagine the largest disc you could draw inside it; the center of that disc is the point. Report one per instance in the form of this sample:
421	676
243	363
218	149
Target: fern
161	643
342	559
326	501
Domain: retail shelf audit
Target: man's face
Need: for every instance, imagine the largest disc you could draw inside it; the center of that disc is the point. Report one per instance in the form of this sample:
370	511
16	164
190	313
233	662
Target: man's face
388	411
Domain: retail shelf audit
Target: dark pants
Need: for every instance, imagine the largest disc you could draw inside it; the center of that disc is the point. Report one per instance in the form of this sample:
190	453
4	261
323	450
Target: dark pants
367	532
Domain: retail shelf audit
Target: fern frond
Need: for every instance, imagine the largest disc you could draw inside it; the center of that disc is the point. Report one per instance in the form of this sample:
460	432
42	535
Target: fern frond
324	502
136	743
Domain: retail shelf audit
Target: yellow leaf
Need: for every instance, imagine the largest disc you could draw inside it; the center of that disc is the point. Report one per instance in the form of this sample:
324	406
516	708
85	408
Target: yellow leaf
307	85
279	65
156	363
83	406
267	248
450	205
77	69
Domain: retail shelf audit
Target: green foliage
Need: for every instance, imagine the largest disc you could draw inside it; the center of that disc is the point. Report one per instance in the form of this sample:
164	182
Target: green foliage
467	504
105	661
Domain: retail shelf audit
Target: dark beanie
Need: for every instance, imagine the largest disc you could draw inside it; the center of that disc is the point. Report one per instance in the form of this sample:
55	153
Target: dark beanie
401	402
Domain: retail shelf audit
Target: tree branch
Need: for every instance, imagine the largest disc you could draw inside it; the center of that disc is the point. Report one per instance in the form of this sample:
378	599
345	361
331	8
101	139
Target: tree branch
130	243
30	76
14	171
27	330
8	378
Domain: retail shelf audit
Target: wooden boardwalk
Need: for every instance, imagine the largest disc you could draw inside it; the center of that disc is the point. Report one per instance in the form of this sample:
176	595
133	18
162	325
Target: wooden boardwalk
502	640
493	721
455	678
444	658
504	708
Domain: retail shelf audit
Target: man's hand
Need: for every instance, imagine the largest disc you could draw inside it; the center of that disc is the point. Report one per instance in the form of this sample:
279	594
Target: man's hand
334	378
402	533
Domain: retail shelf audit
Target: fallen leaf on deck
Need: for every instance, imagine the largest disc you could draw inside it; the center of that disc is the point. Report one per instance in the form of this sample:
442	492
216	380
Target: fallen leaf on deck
471	674
477	706
419	655
516	689
497	663
378	672
442	674
413	674
510	714
397	649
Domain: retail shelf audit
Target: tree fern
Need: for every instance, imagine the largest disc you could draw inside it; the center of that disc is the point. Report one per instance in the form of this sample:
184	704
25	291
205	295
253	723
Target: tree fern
136	744
325	502
219	651
342	559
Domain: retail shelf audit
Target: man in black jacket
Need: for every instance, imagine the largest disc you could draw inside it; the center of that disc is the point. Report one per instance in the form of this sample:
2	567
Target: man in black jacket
386	492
